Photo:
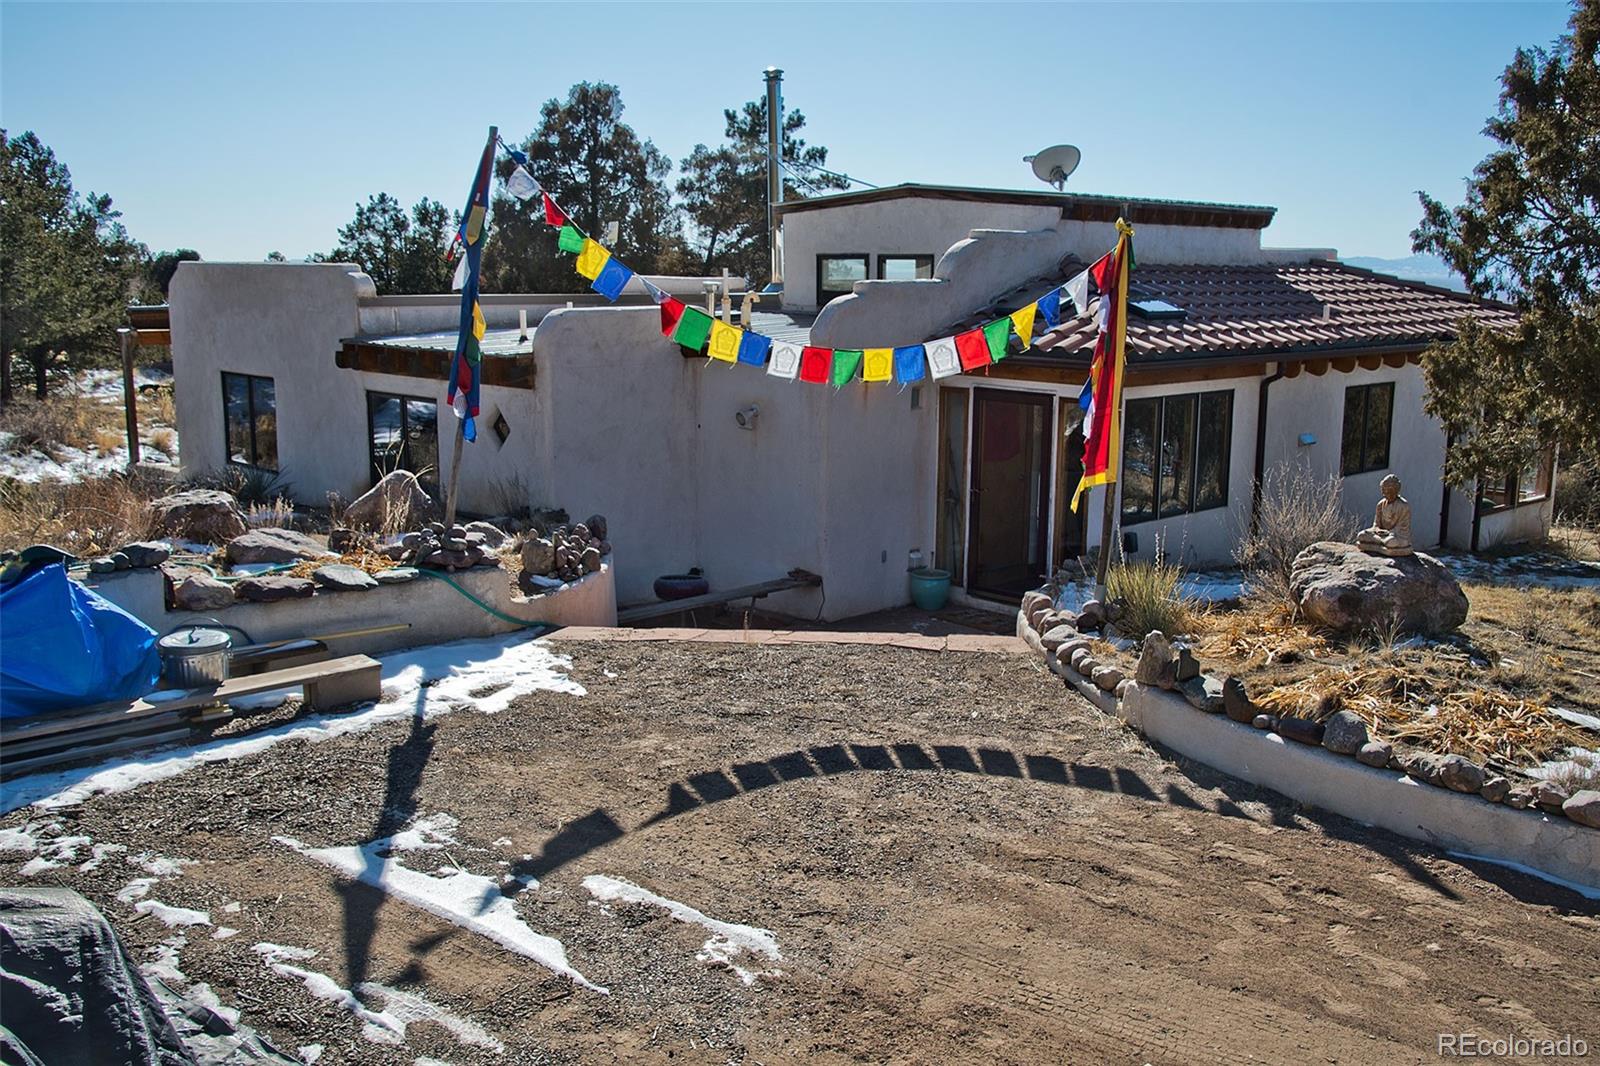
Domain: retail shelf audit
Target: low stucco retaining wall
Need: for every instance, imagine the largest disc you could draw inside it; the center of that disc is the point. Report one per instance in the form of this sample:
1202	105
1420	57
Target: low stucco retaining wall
434	611
1388	799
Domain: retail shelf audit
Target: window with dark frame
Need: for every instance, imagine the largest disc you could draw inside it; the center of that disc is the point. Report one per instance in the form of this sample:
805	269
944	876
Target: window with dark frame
403	434
1368	415
838	274
250	421
905	267
1531	484
1175	455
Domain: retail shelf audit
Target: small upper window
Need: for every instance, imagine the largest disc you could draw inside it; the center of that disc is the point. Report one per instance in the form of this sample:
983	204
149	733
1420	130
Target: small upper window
1368	414
250	417
838	274
905	267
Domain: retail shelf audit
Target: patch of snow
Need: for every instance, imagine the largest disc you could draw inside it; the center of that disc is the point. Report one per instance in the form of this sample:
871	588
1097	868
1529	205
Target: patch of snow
172	916
1583	890
223	933
310	1053
52	852
165	964
100	853
502	842
728	940
19	839
233	908
1577	761
202	994
427	834
387	1026
475	903
1528	569
160	865
1583	721
138	888
270	700
482	675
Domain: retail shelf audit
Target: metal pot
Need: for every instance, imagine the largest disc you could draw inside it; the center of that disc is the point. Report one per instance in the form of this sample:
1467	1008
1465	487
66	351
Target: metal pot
196	657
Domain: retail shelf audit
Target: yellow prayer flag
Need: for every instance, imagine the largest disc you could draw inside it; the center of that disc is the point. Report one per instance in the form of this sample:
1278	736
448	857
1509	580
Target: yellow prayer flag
478	324
592	259
877	364
724	341
1022	322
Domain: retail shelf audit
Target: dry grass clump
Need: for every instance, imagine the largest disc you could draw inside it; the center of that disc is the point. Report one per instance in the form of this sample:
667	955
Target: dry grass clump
1579	770
1297	509
90	517
1403	705
165	440
157	406
361	558
1263	632
277	513
64	420
107	440
1151	591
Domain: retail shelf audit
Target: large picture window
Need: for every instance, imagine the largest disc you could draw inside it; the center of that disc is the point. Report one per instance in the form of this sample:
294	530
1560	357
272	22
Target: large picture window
1368	413
403	434
905	267
250	417
1175	453
838	274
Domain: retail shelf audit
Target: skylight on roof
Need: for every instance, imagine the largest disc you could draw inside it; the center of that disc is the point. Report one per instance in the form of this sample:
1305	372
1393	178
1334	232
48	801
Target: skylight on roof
1151	307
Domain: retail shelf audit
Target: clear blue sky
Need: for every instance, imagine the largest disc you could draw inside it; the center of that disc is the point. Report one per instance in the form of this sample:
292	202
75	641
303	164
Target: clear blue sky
238	129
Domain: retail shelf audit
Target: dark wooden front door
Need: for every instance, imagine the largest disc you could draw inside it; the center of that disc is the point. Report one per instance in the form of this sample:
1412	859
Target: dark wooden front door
1011	462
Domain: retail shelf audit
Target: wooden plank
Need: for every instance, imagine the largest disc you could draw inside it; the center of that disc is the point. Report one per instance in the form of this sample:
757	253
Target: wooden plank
12	748
712	599
234	686
93	751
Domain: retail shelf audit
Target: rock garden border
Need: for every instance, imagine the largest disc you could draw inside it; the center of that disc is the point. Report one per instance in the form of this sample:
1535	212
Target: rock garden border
1444	800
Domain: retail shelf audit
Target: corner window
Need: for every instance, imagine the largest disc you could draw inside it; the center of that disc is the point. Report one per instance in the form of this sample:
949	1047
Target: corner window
403	434
1368	413
837	275
250	419
1531	484
905	267
1175	455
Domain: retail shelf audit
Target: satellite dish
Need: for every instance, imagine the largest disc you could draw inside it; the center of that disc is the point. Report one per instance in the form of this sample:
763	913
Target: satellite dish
1054	164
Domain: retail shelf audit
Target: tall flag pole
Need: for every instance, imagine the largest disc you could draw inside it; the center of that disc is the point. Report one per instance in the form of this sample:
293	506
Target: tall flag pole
466	367
1102	440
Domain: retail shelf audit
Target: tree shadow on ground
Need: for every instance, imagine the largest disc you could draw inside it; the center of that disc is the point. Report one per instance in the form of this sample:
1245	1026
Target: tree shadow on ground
598	828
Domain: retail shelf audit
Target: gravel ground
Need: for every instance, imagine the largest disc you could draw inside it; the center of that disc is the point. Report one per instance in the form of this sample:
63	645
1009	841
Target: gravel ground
959	861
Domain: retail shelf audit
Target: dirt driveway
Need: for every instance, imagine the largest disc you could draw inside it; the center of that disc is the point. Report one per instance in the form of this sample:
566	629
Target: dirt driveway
956	861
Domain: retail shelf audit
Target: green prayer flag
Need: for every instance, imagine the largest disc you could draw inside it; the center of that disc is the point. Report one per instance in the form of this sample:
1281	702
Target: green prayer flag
694	329
571	240
997	333
846	361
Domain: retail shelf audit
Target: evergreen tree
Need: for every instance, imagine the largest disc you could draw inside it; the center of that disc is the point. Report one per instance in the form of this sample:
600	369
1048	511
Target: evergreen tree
1528	232
402	253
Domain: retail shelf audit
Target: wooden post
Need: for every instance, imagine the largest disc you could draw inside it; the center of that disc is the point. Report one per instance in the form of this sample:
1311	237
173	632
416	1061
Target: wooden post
130	400
1107	534
453	486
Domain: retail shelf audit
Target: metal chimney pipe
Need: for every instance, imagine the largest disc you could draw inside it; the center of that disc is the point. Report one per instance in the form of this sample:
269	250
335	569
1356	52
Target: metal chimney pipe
774	172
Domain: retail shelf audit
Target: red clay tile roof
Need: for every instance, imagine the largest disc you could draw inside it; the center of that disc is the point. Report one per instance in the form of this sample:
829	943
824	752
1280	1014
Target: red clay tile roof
1319	307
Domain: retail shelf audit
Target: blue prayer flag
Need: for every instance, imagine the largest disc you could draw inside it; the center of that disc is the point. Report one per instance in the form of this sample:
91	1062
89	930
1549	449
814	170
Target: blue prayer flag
1086	397
1050	307
910	364
753	348
611	280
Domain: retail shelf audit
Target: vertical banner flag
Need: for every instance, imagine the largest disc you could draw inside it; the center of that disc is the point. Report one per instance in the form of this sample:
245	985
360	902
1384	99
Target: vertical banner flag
466	370
1102	429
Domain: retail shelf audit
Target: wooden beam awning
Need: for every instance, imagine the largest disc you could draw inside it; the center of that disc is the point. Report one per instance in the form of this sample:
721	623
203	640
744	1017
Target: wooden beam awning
506	372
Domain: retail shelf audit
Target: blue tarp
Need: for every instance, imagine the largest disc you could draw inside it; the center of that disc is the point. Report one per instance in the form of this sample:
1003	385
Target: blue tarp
63	646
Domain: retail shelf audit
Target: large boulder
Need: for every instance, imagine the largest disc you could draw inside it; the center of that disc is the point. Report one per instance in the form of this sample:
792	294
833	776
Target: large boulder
199	592
1343	588
205	516
271	589
396	502
273	545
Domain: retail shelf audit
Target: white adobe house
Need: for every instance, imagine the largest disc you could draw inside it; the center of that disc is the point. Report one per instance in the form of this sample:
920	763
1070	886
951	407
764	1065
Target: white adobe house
1241	357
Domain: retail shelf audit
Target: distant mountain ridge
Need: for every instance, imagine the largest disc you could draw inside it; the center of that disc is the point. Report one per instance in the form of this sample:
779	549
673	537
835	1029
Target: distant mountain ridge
1421	267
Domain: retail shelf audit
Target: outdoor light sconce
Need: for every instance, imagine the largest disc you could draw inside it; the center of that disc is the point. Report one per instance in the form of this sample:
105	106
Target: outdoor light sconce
746	416
1307	439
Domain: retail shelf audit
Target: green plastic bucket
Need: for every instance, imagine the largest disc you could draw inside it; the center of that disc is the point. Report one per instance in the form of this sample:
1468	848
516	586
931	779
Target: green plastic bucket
930	588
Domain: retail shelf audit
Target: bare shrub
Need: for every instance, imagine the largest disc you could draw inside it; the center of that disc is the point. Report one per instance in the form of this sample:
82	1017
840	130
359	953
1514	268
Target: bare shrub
90	517
1580	770
157	406
1297	509
65	420
510	496
277	513
1153	595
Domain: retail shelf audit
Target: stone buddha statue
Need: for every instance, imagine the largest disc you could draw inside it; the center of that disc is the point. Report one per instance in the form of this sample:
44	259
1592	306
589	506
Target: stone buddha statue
1390	532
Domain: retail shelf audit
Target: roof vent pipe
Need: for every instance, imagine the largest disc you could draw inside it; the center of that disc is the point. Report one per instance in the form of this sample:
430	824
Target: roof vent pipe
774	78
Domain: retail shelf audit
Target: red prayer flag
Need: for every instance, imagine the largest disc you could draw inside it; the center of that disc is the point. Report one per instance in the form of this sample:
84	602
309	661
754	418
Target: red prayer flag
1102	441
553	215
973	347
671	311
815	363
1101	272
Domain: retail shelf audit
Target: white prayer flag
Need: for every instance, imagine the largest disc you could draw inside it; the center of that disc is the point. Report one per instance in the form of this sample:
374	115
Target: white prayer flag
656	293
785	361
1078	289
458	282
521	185
943	358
